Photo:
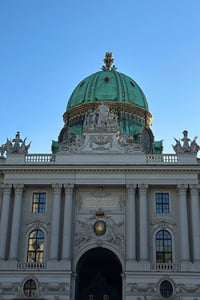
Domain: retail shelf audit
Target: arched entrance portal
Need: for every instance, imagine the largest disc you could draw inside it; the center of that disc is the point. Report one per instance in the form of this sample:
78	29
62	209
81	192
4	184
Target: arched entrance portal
99	276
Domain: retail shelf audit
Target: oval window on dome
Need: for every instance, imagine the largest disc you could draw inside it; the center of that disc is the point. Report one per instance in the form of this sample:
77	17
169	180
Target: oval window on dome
82	83
166	289
133	84
106	79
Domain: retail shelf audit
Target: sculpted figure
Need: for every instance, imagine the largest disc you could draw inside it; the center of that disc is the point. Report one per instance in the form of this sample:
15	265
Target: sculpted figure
177	148
2	150
186	141
102	114
187	147
194	147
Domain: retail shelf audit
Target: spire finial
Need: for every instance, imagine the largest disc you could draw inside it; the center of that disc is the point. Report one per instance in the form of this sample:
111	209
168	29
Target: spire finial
108	60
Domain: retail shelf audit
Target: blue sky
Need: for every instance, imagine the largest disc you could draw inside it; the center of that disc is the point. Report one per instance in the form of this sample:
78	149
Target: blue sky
47	47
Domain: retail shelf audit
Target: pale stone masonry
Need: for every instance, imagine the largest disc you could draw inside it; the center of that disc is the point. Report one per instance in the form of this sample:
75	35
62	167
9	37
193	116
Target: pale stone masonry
106	215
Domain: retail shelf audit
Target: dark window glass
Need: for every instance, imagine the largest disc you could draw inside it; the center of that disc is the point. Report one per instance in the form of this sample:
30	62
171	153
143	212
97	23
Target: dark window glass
39	203
162	203
163	247
30	288
36	246
166	289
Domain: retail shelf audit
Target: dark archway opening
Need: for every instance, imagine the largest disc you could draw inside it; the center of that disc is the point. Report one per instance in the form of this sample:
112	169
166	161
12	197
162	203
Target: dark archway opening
99	276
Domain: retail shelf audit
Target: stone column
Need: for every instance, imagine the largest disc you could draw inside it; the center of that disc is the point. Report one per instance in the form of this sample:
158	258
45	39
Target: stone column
195	221
16	220
143	225
184	235
73	284
4	220
130	223
67	224
55	222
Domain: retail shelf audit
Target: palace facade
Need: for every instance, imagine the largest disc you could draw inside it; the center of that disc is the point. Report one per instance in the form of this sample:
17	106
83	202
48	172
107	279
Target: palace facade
105	215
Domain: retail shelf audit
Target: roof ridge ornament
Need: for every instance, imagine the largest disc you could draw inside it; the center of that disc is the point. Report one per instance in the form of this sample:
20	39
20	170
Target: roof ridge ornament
108	60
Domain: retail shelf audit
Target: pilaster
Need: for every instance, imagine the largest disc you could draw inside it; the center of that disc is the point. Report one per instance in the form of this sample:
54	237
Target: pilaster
55	221
184	235
130	223
16	219
143	223
195	221
67	223
4	220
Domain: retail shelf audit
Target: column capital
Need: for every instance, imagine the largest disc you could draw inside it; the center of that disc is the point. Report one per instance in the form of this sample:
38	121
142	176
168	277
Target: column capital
194	187
182	187
57	187
143	187
131	187
68	187
6	188
18	188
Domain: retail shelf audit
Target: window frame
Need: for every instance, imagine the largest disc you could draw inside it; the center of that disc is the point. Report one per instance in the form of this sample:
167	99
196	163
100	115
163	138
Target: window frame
162	204
164	245
171	290
39	202
30	289
35	252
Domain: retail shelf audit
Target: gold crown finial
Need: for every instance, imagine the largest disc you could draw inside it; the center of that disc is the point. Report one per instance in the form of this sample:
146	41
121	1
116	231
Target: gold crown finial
108	60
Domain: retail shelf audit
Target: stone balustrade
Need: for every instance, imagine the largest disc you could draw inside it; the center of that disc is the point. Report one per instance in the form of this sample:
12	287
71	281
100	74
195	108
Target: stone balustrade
31	266
164	267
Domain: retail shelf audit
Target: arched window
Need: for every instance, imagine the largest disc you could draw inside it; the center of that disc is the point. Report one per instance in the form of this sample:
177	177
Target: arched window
30	288
163	247
36	246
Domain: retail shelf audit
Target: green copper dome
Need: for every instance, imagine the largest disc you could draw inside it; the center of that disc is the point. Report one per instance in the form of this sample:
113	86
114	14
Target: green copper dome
108	85
121	95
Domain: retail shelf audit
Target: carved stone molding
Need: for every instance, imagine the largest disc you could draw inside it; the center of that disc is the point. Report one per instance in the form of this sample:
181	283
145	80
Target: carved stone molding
57	188
144	289
62	287
6	188
194	188
182	187
68	188
131	188
85	232
18	188
163	224
143	187
37	224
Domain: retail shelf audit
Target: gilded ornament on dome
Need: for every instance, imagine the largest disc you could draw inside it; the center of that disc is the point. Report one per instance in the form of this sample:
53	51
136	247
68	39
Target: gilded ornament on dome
108	60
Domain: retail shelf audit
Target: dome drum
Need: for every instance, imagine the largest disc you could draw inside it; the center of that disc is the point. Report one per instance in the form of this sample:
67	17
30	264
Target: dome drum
131	118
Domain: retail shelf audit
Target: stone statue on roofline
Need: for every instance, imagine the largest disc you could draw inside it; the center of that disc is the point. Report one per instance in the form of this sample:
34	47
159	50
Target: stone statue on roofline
187	146
15	146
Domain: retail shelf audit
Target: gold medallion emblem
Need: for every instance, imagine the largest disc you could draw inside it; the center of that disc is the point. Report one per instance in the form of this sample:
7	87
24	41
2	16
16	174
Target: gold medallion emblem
99	227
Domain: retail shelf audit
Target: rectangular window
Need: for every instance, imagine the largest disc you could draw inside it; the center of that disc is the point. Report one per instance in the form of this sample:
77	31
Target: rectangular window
39	203
162	203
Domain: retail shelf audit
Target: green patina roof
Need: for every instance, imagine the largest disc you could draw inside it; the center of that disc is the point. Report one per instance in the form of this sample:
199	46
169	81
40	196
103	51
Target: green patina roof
108	85
120	93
